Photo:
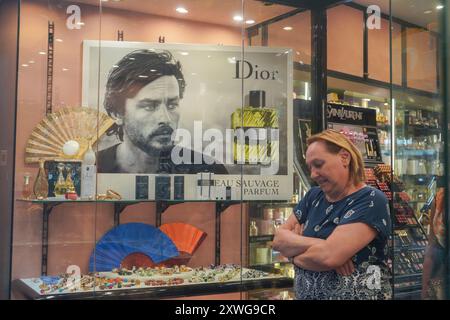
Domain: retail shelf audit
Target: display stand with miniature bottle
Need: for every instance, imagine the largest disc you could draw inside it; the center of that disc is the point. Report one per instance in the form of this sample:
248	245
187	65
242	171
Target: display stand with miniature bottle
409	238
265	218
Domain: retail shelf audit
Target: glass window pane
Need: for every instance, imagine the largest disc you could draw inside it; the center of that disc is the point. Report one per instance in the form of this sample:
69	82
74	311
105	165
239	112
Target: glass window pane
345	40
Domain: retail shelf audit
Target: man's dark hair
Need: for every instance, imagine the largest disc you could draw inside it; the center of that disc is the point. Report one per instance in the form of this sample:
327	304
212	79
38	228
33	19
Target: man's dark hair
132	73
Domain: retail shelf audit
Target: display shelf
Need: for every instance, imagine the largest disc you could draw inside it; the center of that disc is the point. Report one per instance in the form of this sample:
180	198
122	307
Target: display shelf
409	152
275	205
405	277
262	238
276	294
408	290
271	264
59	201
409	295
399	249
174	291
119	206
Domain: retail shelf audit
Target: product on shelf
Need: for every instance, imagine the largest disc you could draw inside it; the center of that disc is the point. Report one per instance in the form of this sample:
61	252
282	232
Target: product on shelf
140	278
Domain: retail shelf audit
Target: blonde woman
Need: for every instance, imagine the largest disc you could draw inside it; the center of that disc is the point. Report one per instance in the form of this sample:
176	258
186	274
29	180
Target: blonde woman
337	236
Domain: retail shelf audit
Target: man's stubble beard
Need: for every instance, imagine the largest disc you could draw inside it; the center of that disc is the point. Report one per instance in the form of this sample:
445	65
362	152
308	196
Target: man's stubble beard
148	144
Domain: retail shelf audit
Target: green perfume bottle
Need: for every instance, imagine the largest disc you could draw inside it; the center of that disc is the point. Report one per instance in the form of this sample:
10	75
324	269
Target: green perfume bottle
255	122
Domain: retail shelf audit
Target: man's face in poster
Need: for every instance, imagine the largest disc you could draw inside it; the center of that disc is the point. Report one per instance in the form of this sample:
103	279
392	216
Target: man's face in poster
152	115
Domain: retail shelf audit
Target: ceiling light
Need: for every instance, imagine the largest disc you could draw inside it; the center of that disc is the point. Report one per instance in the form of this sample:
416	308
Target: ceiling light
428	12
31	61
238	18
24	65
439	7
80	23
42	53
288	28
184	53
250	21
181	10
65	69
142	76
58	40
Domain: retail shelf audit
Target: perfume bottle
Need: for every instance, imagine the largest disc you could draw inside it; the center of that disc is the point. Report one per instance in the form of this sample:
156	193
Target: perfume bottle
88	174
60	185
26	188
40	187
70	187
253	229
263	123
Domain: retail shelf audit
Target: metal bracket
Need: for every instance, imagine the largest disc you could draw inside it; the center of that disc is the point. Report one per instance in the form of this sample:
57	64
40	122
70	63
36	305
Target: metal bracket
118	209
46	210
221	206
161	207
119	35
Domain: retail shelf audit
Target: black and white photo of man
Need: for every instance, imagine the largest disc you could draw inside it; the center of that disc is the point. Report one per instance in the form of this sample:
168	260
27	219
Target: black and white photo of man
143	94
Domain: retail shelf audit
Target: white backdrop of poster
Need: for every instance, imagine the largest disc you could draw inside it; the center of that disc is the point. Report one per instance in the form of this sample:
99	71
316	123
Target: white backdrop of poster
213	92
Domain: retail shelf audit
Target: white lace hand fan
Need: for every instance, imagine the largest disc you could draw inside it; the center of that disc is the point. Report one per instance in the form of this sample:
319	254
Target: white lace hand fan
66	134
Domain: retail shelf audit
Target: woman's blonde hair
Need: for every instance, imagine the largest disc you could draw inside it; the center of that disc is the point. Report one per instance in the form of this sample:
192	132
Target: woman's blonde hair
336	141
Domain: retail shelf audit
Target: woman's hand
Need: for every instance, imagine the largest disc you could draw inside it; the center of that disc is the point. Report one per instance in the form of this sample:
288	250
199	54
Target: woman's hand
346	269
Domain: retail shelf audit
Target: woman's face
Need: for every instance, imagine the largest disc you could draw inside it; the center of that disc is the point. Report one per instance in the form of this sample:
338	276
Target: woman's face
327	169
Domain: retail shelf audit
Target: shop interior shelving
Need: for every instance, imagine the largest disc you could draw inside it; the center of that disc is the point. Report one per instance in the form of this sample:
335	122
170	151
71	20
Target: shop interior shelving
146	293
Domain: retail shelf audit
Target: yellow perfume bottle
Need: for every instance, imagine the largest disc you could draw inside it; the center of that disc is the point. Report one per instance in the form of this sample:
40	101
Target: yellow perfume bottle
60	186
253	125
70	187
40	187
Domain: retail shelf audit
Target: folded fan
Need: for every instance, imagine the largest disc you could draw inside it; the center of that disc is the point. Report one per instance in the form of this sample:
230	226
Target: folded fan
127	239
72	128
186	237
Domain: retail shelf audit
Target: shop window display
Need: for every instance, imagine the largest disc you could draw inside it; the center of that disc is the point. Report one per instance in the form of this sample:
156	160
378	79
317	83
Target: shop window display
116	224
132	175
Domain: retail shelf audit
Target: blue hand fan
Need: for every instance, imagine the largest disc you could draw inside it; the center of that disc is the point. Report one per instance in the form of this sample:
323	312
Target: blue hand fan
127	239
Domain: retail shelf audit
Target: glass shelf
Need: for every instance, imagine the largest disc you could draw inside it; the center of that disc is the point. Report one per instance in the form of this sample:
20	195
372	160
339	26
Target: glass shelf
173	291
262	238
58	201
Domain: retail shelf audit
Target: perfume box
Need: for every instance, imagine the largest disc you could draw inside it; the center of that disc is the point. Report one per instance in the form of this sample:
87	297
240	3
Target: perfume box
206	189
141	187
88	181
178	184
74	167
162	188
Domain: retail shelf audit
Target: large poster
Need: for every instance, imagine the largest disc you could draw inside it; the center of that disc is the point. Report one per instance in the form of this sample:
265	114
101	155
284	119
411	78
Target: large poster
183	110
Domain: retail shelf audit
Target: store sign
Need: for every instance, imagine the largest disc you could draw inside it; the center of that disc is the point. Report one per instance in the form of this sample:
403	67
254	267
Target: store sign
359	125
191	109
339	113
247	70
